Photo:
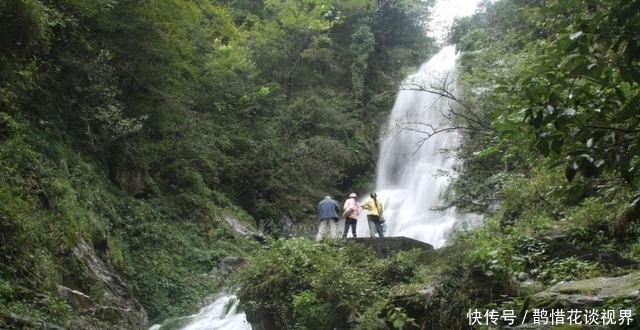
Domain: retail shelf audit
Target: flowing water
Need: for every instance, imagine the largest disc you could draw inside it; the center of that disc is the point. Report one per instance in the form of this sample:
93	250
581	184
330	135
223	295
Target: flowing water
409	178
411	175
413	166
222	314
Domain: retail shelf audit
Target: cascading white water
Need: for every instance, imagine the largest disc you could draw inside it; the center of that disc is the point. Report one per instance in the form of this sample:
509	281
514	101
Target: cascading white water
216	316
409	177
405	183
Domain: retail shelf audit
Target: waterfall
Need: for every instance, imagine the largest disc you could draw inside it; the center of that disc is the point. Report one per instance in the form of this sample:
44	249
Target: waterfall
222	314
412	170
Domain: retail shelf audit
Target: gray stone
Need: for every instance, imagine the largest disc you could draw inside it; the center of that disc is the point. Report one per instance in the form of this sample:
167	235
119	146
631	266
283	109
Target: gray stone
243	230
119	304
76	299
230	264
587	294
226	266
385	246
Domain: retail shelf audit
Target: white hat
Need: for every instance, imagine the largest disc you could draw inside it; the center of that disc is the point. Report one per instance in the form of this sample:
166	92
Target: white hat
353	195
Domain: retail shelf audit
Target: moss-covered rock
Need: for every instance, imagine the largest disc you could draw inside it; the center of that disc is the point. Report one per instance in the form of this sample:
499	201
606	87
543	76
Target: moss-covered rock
602	293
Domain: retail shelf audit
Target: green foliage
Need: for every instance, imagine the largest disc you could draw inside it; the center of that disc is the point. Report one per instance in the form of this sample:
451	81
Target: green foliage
314	280
399	319
541	87
578	102
138	126
569	269
164	259
362	46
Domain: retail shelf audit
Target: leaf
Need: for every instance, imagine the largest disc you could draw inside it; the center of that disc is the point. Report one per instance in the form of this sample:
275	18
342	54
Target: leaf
569	112
555	164
635	73
576	35
498	112
505	125
573	165
554	98
537	121
586	157
590	143
398	323
501	89
530	93
569	173
598	162
509	132
626	75
572	46
543	146
556	146
549	108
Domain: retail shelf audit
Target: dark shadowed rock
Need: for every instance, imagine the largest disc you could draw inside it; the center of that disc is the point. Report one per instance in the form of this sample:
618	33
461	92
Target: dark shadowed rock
385	246
557	248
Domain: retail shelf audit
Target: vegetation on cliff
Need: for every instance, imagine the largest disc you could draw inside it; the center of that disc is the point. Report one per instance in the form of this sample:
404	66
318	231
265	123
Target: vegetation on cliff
548	112
139	126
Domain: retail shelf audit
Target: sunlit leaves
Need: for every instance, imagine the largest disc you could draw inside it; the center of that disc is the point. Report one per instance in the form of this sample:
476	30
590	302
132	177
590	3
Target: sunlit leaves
313	15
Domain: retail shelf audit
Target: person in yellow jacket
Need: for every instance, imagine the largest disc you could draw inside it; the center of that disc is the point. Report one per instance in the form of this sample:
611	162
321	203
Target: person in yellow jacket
375	208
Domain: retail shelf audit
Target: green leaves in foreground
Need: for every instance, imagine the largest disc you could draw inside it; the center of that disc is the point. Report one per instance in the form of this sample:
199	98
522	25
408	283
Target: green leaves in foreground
301	284
580	103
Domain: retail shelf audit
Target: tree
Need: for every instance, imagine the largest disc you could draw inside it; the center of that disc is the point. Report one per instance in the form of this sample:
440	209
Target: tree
580	104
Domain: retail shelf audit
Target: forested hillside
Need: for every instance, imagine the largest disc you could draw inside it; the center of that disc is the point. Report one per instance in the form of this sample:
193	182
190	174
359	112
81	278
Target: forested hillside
549	113
130	131
551	110
135	128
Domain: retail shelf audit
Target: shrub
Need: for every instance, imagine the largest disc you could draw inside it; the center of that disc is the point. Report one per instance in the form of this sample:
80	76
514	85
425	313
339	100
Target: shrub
301	284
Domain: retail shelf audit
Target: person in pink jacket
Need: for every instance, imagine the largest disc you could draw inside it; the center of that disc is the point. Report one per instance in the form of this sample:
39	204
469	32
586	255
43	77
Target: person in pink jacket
351	211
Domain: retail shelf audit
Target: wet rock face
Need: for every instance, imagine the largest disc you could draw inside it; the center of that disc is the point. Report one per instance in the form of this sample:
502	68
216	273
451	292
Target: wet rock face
116	305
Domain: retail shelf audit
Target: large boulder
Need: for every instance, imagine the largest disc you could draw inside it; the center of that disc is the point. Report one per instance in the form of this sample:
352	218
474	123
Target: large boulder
116	304
227	266
584	298
385	246
589	294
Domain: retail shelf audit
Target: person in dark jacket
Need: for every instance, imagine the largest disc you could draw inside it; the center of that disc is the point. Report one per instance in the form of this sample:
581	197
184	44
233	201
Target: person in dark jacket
328	210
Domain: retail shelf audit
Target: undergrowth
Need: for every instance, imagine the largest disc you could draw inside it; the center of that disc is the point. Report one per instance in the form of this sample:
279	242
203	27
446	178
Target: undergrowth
52	196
